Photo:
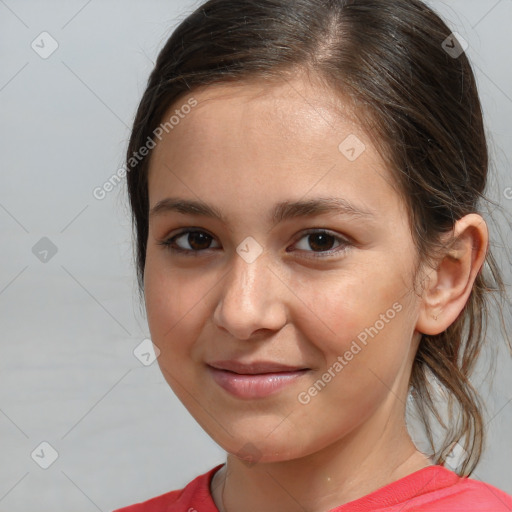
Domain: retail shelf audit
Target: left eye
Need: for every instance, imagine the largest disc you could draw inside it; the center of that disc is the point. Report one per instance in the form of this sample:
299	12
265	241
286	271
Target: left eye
322	241
198	241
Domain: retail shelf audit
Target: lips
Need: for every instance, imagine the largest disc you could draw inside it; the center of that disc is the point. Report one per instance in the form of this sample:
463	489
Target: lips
255	368
254	380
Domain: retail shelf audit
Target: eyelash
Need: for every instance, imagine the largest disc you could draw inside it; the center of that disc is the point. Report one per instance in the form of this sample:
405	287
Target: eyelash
344	243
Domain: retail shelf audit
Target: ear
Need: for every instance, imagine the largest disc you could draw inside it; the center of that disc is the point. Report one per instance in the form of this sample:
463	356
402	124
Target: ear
447	288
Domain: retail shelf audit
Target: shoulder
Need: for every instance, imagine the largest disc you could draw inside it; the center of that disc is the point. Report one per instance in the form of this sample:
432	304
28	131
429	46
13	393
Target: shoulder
433	489
194	496
464	495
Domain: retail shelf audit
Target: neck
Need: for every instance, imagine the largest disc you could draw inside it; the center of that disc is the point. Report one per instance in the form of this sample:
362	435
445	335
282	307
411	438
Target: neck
348	469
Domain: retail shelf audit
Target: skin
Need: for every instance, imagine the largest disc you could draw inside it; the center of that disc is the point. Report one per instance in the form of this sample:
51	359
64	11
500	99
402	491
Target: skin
242	149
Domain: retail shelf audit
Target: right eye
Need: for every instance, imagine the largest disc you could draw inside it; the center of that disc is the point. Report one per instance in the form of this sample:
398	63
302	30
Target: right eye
198	241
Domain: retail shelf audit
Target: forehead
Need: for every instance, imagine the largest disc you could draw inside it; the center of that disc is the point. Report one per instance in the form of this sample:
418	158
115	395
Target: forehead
275	139
291	108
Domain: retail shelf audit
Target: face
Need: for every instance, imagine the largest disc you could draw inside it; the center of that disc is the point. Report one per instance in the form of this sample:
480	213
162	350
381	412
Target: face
283	328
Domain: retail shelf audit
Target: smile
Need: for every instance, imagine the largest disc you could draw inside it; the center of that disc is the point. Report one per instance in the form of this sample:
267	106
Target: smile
257	380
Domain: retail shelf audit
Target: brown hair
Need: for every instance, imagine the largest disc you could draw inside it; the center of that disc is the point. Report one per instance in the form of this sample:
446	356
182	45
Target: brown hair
422	103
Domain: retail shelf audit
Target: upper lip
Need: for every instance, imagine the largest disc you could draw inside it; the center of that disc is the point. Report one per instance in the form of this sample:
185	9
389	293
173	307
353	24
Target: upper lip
254	368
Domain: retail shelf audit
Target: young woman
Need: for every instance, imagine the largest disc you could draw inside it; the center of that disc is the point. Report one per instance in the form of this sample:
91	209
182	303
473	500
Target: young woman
306	180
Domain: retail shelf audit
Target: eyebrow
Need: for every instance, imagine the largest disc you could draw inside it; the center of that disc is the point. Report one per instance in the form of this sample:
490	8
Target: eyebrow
282	211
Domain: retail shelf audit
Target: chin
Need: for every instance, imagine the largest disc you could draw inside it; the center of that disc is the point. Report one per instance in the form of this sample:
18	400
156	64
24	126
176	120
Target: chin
267	442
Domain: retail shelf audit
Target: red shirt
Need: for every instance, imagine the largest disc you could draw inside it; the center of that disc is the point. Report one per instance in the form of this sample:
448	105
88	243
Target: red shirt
434	488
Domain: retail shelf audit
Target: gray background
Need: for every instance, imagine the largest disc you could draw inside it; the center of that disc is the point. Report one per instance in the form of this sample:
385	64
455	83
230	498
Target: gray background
69	325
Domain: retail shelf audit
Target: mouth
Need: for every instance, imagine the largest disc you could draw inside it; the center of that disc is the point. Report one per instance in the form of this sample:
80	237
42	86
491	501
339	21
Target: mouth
254	380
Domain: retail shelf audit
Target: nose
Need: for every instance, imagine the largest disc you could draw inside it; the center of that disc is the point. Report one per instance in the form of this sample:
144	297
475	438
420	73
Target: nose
252	299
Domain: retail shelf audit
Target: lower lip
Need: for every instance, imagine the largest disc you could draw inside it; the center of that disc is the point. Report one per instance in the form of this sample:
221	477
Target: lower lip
254	386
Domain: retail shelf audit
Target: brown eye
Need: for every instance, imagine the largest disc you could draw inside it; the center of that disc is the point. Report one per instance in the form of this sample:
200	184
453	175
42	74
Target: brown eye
322	243
198	240
192	242
319	243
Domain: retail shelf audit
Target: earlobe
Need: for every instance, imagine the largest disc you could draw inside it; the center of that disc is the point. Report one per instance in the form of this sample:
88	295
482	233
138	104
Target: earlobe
447	288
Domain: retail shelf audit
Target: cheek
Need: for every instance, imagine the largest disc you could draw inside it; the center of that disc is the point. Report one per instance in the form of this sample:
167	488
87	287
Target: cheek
176	315
347	306
361	324
174	304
